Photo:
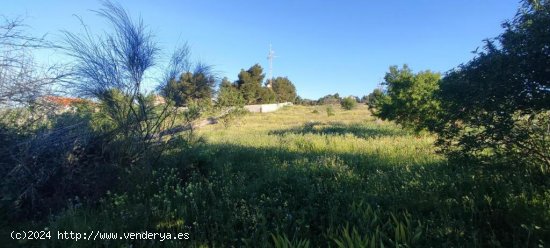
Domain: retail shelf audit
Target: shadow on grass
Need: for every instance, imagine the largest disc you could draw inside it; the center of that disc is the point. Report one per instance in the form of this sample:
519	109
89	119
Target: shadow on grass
434	191
240	195
337	128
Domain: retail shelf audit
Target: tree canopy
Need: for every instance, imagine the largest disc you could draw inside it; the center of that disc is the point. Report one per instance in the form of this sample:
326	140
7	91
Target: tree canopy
191	86
229	95
329	99
373	100
250	83
348	103
409	98
498	102
284	89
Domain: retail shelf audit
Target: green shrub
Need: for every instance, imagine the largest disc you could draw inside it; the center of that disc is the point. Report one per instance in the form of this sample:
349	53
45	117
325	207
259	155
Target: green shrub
409	99
496	106
232	116
348	103
68	159
229	96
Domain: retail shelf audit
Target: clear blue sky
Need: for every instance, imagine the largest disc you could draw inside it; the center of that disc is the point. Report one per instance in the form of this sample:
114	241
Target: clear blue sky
324	47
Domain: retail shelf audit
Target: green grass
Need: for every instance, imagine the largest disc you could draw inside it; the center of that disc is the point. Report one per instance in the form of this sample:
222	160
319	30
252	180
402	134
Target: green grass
299	178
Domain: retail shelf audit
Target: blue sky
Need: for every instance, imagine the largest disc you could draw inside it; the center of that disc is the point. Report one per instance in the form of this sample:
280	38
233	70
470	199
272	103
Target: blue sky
324	47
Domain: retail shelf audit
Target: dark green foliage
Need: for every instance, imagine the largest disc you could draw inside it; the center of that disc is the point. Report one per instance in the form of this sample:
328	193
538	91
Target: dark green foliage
229	95
191	86
267	96
68	159
348	103
329	99
409	98
282	241
497	104
250	84
78	152
230	101
284	89
374	99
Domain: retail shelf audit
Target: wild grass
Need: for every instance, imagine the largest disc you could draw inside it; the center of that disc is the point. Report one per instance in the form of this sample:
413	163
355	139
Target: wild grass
298	178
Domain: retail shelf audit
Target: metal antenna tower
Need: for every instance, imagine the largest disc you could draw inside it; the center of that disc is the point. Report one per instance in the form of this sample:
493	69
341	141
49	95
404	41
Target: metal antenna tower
270	57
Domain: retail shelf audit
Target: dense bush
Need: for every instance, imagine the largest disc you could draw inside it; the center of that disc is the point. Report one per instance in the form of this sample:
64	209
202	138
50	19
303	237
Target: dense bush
65	160
497	104
329	99
348	103
229	95
191	86
374	99
409	98
250	84
266	96
284	89
55	153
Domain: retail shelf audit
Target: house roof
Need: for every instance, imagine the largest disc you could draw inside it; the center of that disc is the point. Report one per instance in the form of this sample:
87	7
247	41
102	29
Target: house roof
64	101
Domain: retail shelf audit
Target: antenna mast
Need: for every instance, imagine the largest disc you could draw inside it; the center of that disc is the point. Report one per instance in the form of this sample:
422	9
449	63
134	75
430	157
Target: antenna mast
270	57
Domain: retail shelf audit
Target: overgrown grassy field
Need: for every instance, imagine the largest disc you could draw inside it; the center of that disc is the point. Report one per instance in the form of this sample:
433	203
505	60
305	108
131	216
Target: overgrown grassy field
299	177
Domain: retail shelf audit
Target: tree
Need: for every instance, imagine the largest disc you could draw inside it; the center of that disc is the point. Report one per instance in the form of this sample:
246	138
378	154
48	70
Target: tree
410	99
117	62
191	86
374	99
250	83
267	95
329	99
229	95
284	89
498	103
348	103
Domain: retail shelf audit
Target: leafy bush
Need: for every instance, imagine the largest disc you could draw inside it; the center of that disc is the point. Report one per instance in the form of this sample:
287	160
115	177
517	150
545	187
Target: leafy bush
375	99
409	99
229	95
348	103
63	161
496	105
284	89
266	96
191	86
329	99
232	115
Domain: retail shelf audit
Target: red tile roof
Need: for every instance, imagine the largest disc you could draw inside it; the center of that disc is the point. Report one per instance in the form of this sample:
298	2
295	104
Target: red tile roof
64	101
